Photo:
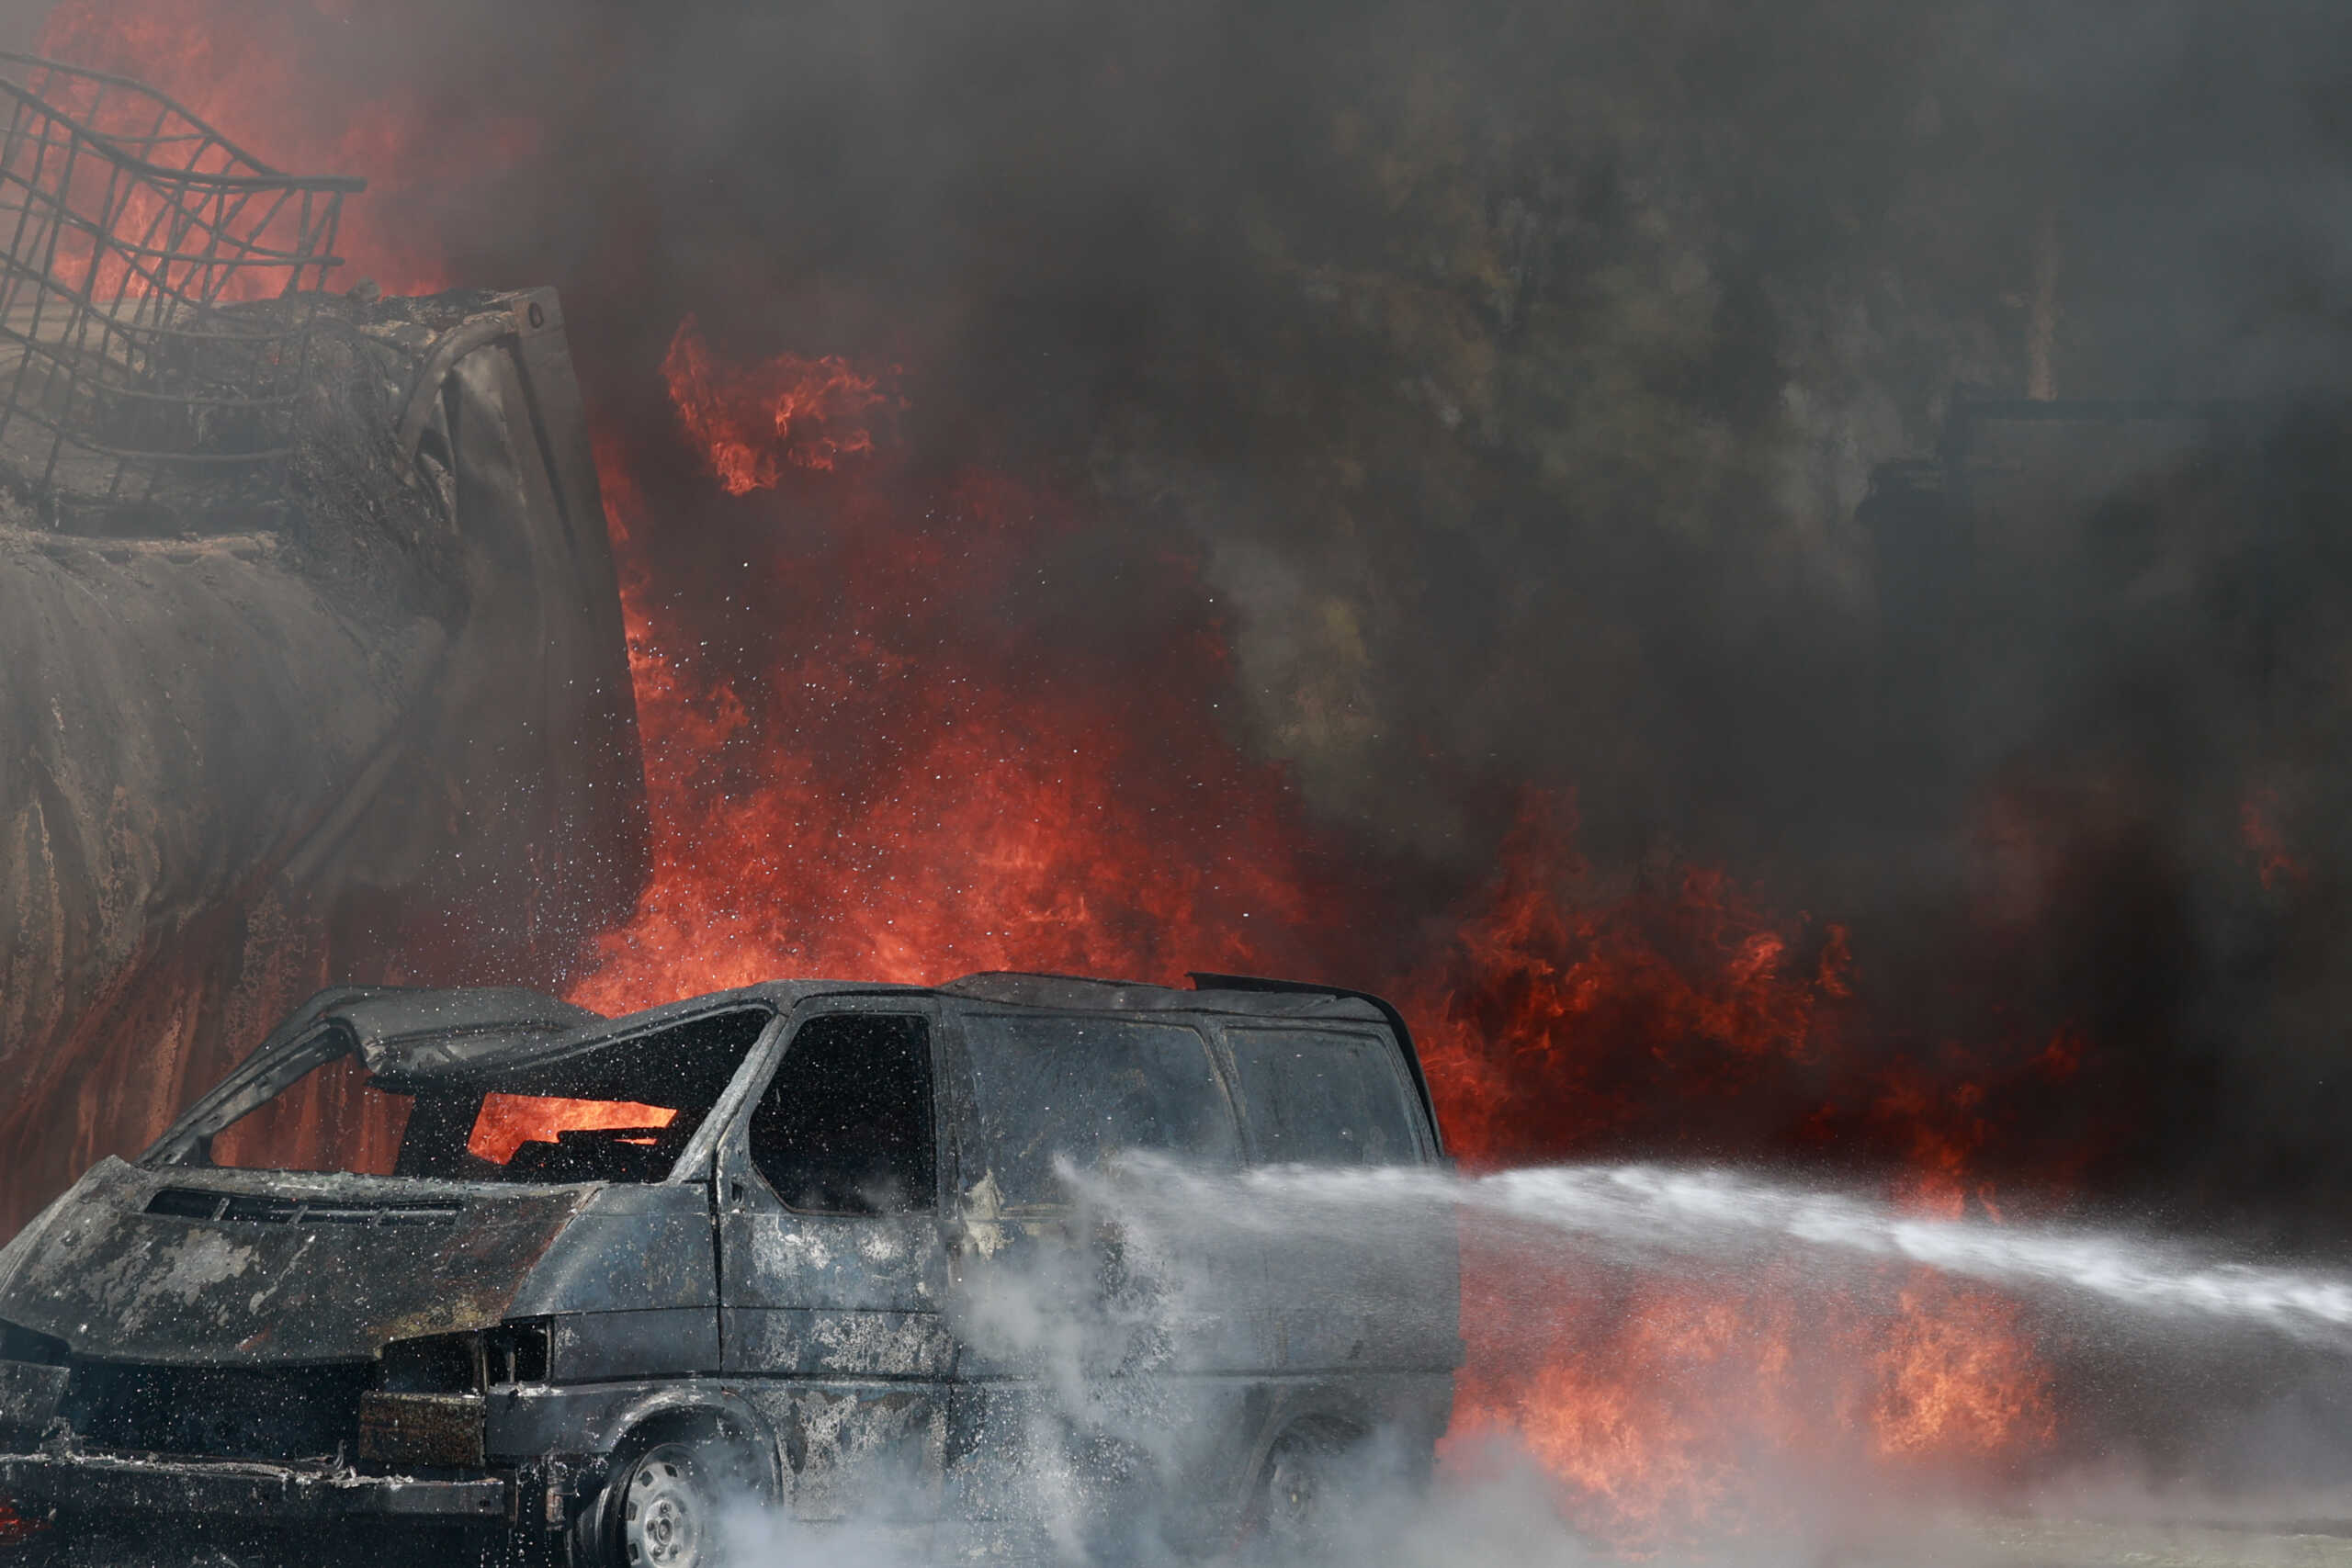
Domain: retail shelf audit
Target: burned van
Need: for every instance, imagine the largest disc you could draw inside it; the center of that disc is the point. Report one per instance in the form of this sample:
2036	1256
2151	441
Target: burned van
481	1258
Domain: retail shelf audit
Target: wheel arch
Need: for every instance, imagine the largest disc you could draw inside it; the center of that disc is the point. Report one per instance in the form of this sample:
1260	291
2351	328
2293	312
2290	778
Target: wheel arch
685	1416
1334	1413
702	1416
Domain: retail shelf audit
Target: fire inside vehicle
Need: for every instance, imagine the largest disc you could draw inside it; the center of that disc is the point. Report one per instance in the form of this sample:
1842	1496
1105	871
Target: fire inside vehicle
482	1258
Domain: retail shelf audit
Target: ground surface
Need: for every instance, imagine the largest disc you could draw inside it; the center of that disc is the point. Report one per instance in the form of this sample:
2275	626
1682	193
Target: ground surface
2000	1543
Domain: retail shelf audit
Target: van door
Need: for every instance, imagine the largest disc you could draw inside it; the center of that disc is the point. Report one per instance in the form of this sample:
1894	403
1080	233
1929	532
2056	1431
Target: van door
831	1266
1349	1297
1101	1340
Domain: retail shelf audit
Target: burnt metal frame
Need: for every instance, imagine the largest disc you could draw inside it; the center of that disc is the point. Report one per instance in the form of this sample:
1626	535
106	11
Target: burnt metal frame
134	222
548	1450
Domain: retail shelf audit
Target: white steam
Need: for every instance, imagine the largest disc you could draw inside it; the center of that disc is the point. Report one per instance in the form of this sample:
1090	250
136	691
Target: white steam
1104	1315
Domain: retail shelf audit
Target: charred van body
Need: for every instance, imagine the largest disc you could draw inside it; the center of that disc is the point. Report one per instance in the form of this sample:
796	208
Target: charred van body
480	1257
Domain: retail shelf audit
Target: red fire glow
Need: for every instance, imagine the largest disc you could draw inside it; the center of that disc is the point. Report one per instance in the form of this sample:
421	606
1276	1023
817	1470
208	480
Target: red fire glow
331	109
1666	1408
786	412
2259	824
1689	974
915	794
1666	1405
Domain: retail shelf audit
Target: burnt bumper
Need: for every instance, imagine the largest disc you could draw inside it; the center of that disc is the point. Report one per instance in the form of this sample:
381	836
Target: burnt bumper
40	1484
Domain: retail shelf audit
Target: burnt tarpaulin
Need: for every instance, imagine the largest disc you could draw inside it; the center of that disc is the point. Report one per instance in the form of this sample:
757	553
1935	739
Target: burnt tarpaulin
243	747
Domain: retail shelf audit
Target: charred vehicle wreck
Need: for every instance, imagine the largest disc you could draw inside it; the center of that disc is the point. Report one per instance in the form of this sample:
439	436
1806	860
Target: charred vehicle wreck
480	1257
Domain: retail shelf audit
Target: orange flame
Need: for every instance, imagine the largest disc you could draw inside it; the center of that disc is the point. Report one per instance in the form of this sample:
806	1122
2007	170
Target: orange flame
784	412
1576	1005
1957	1377
507	1122
1667	1406
888	804
1666	1409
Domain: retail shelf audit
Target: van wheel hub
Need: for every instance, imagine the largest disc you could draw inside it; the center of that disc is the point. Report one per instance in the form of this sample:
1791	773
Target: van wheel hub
667	1512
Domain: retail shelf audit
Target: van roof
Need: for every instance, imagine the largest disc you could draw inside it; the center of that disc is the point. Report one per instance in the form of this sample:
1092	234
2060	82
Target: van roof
1070	993
425	1029
410	1034
1015	987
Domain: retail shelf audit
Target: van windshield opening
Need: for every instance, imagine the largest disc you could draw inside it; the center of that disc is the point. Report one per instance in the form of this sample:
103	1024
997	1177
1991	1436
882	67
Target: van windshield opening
619	1111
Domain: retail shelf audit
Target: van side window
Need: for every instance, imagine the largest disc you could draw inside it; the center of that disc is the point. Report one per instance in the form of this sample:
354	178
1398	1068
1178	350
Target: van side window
845	1126
605	1110
1322	1099
1086	1089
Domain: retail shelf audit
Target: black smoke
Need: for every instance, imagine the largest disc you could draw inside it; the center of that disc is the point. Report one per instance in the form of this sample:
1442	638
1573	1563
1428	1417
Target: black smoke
1518	382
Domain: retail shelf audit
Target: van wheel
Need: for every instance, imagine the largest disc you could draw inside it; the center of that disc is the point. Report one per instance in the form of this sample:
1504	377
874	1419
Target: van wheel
1298	1500
662	1508
667	1510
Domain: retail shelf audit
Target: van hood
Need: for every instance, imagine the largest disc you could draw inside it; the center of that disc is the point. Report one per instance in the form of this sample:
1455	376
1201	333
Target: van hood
237	1267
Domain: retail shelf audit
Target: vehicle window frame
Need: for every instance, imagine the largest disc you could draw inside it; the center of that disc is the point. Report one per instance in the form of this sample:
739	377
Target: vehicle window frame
732	1150
188	1144
1391	1054
967	1088
692	1162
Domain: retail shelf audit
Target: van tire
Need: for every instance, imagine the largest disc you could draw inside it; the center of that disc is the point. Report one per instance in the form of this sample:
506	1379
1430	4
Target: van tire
664	1503
1297	1502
